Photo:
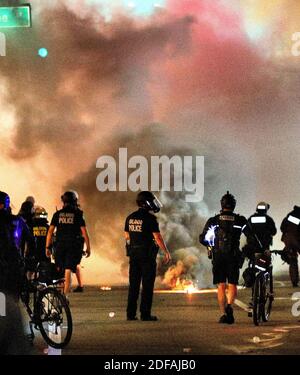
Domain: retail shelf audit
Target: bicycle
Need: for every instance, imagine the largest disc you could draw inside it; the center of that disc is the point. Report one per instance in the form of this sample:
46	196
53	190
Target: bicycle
262	289
47	306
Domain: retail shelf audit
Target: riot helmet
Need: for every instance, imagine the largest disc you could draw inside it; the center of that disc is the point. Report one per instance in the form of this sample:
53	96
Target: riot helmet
30	199
262	208
70	198
40	213
148	201
228	202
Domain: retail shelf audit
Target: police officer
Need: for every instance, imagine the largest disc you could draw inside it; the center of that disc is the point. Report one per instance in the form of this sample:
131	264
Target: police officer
40	228
13	233
27	211
143	240
12	228
263	229
290	228
71	232
222	235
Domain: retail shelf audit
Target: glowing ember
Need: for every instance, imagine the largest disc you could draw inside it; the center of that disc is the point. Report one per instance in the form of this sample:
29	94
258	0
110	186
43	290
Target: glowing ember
105	288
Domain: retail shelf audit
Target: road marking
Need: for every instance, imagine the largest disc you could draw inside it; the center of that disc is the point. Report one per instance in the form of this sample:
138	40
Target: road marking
291	327
287	298
280	330
281	283
242	305
267	343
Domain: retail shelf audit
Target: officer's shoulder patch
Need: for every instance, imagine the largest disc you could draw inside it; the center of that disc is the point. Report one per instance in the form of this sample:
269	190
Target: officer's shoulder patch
227	218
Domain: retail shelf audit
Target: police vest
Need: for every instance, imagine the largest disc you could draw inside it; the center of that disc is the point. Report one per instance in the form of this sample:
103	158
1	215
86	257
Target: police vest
228	233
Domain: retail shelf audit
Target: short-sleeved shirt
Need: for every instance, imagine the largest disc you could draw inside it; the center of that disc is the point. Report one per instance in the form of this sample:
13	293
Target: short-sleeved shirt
68	222
140	225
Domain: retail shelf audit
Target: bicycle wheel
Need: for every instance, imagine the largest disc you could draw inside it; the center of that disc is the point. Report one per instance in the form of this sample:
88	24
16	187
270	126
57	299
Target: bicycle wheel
256	301
267	298
54	318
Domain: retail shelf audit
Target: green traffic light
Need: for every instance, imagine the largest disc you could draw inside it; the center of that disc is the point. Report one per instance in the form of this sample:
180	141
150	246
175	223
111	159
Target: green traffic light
43	52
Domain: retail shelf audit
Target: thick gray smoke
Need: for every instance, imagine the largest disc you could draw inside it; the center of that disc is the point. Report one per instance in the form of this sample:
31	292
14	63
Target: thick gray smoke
92	81
180	221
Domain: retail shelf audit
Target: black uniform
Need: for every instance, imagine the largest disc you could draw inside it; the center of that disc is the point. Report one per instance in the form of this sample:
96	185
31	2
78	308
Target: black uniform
69	241
142	267
13	232
263	229
226	228
40	228
290	228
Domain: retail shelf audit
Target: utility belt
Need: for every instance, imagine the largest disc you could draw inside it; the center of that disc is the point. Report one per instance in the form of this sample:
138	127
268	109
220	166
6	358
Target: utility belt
142	251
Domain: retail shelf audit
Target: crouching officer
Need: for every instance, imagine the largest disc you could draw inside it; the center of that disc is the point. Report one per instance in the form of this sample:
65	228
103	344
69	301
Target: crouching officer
290	228
143	240
70	232
222	235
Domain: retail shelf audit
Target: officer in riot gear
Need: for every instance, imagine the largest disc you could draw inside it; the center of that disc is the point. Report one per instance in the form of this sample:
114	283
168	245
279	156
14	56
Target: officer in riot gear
13	233
71	233
290	228
40	228
27	211
12	228
259	241
263	229
143	240
222	235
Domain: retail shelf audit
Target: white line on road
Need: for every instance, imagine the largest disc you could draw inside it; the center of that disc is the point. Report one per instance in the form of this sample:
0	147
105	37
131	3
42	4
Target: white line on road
287	298
281	283
242	305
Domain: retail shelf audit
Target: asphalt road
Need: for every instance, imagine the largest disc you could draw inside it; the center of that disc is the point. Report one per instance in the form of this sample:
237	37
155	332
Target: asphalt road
187	325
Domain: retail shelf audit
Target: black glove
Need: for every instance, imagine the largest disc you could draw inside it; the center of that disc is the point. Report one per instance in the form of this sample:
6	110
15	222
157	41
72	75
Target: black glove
285	256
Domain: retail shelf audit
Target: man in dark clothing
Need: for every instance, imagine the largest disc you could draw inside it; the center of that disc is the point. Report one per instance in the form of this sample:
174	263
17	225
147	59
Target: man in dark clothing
12	230
290	228
27	212
71	233
143	240
13	234
263	229
39	228
221	235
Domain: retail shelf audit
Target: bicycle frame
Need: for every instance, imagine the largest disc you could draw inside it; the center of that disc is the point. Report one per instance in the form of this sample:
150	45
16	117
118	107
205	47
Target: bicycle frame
30	295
